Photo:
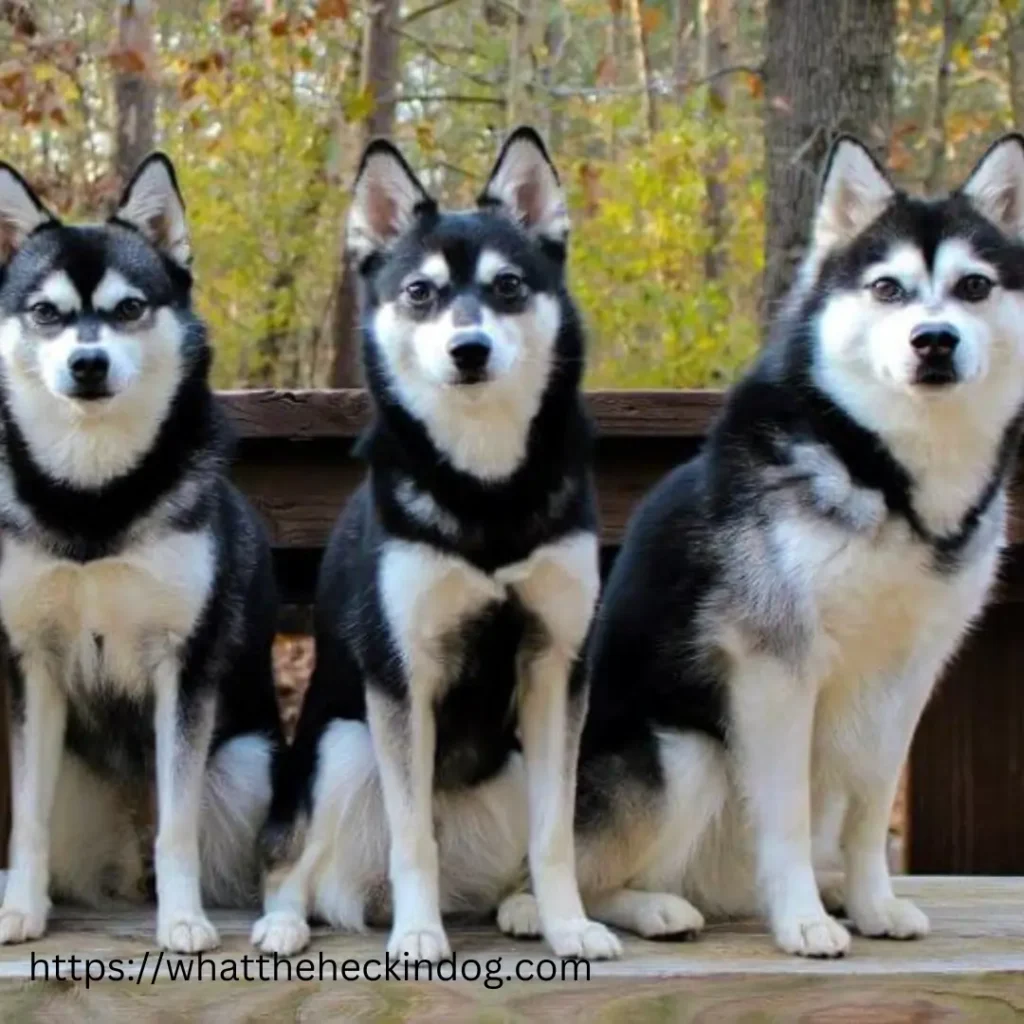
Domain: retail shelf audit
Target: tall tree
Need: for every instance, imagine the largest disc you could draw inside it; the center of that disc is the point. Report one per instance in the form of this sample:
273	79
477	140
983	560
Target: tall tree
828	69
715	29
378	79
134	59
642	66
1013	11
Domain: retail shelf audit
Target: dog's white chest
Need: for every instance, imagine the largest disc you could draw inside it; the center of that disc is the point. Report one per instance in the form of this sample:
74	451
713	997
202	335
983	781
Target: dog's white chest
111	619
874	600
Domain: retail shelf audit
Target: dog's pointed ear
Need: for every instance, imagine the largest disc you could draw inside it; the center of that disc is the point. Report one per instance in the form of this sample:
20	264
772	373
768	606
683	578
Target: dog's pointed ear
21	212
152	204
387	199
854	191
996	185
524	184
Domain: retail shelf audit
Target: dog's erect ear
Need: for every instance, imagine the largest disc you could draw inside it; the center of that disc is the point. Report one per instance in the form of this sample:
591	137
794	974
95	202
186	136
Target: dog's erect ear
152	204
854	192
387	199
21	212
525	185
996	185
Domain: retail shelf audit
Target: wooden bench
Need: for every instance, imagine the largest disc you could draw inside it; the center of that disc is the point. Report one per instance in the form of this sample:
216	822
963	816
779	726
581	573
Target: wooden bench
970	968
966	775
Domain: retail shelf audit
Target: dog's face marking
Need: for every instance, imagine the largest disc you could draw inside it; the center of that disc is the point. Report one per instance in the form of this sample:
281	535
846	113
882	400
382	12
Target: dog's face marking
93	324
464	309
924	298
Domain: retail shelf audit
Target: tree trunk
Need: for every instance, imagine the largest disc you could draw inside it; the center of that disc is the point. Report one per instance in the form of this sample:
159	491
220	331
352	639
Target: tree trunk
134	85
828	69
378	75
1014	11
642	66
715	26
952	23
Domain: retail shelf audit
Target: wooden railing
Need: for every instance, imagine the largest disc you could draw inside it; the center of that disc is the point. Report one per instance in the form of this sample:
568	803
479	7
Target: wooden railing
966	775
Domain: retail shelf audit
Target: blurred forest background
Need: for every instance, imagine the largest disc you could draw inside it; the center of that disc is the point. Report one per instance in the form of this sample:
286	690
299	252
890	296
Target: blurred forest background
688	132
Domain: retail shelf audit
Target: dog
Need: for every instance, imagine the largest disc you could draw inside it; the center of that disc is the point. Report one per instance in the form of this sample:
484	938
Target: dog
783	604
457	589
136	589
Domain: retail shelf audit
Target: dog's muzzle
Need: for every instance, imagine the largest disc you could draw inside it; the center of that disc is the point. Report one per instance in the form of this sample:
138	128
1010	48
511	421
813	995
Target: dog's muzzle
470	351
934	345
89	367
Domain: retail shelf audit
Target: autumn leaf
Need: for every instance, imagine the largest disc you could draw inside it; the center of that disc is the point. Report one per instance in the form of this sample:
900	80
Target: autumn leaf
279	26
128	61
755	85
328	9
650	19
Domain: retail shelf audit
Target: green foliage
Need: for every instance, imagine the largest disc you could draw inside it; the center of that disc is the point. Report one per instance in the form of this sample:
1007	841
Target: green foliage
638	264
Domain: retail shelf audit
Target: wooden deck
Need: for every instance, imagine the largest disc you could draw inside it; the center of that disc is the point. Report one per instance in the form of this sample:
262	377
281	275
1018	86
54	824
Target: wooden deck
970	968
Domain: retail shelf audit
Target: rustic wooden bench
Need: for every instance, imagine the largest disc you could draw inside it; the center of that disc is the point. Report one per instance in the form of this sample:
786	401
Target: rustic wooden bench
970	968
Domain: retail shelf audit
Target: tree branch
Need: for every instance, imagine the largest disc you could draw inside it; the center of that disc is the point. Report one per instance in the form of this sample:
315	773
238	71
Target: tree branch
663	86
449	98
422	12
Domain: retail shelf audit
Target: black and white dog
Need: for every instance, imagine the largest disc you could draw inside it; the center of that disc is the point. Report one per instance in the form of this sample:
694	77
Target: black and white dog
784	603
136	592
459	584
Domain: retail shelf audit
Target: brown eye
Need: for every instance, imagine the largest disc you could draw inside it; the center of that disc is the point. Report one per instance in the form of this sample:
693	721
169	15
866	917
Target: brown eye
508	285
45	314
420	293
888	289
973	288
129	310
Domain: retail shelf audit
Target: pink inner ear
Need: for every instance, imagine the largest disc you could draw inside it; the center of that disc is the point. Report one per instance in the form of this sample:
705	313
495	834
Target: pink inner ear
382	213
159	230
528	199
8	239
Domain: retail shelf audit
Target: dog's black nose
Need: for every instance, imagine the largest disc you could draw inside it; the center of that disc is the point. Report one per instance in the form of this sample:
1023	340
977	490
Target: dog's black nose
934	339
89	367
470	351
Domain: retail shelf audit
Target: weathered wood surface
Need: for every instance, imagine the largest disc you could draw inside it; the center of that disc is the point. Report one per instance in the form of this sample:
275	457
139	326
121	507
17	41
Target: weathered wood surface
970	969
295	460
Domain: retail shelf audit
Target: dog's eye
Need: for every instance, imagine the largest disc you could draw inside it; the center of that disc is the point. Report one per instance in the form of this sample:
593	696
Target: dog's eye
508	285
129	310
420	293
45	314
888	289
973	288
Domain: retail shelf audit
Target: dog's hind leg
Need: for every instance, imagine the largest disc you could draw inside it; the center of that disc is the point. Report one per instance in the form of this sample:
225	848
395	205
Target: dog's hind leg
325	866
236	798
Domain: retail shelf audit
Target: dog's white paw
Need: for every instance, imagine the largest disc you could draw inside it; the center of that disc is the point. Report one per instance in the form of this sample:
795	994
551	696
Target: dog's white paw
429	944
662	915
19	925
583	940
186	933
890	918
280	932
818	936
519	916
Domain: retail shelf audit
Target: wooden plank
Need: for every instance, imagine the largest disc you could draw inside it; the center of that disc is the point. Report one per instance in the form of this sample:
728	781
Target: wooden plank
971	968
967	762
312	415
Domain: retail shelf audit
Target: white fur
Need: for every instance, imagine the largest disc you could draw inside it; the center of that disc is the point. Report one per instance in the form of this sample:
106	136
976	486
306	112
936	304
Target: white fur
59	289
490	264
424	509
112	289
482	428
89	443
435	268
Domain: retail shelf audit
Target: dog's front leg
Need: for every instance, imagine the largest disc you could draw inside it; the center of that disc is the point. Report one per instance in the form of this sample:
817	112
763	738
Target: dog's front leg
404	737
561	591
37	750
771	730
183	732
